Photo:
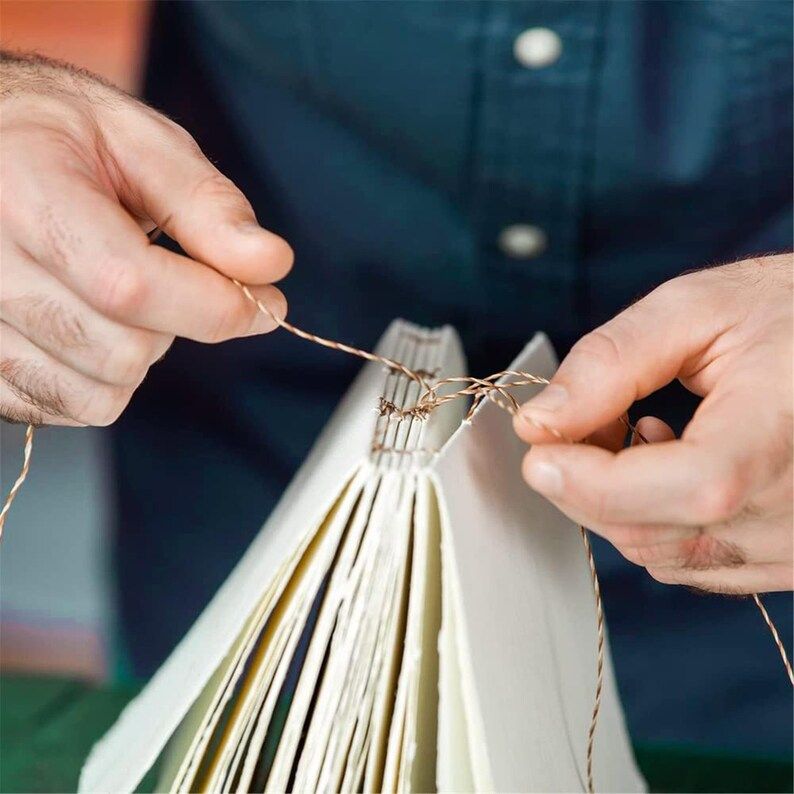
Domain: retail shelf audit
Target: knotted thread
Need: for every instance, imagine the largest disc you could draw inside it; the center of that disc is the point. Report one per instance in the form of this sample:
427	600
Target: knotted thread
479	389
429	400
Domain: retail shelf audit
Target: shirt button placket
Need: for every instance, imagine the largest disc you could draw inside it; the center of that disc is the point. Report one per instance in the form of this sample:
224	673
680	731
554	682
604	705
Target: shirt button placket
535	48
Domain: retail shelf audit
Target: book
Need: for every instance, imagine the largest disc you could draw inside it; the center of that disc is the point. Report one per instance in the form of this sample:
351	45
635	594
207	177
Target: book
411	617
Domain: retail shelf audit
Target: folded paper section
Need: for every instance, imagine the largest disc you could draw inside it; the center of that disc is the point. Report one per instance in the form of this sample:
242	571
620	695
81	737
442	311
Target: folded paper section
411	617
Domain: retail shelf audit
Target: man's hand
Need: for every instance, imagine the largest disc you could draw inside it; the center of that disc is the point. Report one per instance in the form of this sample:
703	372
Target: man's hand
714	508
87	304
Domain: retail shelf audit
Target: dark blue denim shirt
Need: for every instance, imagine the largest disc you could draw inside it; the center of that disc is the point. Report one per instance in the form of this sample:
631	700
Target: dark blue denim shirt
391	144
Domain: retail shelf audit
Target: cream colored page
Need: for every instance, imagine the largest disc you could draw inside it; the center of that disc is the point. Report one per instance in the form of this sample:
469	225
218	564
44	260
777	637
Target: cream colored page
320	761
401	745
383	704
404	349
181	745
310	675
199	729
119	761
286	623
526	615
263	682
416	770
394	747
338	664
405	437
187	746
351	647
264	717
353	730
465	740
454	761
425	698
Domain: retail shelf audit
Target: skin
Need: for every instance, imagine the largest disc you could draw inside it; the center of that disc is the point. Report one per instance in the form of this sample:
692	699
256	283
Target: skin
88	304
713	509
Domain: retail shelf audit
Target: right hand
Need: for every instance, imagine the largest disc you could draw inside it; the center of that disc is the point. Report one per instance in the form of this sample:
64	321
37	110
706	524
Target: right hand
87	304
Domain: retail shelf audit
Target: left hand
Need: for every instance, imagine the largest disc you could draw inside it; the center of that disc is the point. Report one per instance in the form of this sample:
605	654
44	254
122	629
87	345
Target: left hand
712	509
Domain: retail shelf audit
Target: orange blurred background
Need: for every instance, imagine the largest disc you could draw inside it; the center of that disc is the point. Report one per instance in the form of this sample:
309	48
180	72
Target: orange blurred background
69	634
105	36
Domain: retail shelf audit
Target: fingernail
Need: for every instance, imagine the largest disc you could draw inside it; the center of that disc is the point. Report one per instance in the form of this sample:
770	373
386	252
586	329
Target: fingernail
546	478
553	397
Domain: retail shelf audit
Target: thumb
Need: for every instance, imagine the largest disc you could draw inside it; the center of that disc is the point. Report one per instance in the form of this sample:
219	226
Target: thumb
167	179
637	352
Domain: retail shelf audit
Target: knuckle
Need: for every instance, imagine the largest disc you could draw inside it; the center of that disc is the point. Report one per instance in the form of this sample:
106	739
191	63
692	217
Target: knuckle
231	321
650	554
128	361
54	324
664	575
104	406
183	137
721	496
639	555
120	290
631	536
169	132
615	534
600	502
673	290
216	187
603	345
161	348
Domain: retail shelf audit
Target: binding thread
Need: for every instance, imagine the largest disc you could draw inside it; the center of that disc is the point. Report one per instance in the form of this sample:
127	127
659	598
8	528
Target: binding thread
430	399
28	451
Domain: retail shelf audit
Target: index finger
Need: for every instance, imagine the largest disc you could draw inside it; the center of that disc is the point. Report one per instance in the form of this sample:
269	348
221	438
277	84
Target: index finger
168	178
638	351
96	249
703	478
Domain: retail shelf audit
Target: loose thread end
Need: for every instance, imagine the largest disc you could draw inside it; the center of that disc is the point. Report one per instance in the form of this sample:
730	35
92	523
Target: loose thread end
23	473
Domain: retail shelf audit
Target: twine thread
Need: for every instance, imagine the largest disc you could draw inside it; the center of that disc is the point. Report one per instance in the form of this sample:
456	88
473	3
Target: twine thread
28	451
775	636
430	399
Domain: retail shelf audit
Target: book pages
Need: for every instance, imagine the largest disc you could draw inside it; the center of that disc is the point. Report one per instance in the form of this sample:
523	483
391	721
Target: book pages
524	616
410	618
